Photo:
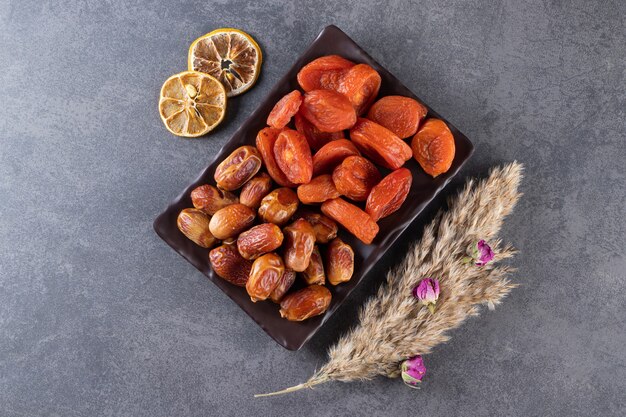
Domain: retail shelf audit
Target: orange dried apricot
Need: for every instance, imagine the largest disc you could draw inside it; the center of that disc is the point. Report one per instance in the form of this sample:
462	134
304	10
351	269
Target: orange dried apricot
355	220
328	110
293	156
380	144
285	109
401	115
433	147
355	177
331	155
265	140
323	73
360	84
389	194
318	190
313	135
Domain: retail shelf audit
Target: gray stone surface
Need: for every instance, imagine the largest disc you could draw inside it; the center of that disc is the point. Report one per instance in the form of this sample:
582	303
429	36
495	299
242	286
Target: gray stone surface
99	317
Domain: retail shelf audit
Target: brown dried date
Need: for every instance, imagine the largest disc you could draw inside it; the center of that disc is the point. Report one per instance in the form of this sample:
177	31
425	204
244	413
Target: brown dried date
278	206
358	222
355	177
339	262
264	276
299	243
238	167
286	281
324	227
210	199
229	265
318	190
231	220
259	240
314	273
194	224
389	194
306	303
254	190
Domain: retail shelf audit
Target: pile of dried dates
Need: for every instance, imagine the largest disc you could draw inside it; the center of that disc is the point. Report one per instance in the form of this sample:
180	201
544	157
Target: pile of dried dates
267	237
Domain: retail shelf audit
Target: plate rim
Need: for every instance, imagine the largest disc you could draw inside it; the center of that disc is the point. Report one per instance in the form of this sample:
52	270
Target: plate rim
388	241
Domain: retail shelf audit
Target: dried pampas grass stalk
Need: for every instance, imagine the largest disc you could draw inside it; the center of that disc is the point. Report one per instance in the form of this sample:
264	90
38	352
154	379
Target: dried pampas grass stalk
393	326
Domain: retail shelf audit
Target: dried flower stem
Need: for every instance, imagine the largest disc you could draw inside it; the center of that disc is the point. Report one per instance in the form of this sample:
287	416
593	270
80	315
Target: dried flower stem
392	325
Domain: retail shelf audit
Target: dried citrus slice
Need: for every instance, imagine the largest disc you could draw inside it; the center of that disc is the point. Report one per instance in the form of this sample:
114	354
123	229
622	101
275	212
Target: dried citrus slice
230	55
192	103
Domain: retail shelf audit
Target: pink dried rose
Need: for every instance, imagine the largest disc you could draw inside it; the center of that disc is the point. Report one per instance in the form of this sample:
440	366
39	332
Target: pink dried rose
413	370
427	291
480	253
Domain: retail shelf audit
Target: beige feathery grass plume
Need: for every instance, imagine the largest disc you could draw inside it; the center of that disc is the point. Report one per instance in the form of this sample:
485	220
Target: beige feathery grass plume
393	326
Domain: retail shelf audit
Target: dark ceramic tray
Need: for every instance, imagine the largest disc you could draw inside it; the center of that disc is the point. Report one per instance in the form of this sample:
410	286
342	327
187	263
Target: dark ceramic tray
293	335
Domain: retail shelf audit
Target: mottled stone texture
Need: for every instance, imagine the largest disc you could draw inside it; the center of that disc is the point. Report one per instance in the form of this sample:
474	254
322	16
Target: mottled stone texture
99	317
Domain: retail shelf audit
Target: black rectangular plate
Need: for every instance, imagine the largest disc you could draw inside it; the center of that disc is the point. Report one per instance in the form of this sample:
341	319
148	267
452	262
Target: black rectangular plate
293	335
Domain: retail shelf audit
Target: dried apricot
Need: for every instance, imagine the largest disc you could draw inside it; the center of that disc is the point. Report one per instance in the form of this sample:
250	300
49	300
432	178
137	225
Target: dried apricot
323	73
313	135
293	156
305	303
238	167
433	147
318	190
389	194
285	109
355	220
401	115
328	110
380	144
355	177
265	140
331	155
360	84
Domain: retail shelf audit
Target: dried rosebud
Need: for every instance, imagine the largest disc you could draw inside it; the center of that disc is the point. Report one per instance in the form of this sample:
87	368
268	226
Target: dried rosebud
480	253
413	370
427	291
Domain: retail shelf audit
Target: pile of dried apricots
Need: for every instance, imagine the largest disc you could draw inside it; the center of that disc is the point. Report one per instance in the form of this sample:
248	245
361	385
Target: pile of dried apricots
326	169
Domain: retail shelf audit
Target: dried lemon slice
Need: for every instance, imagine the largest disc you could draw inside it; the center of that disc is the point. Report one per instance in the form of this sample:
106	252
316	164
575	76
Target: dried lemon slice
230	55
192	103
